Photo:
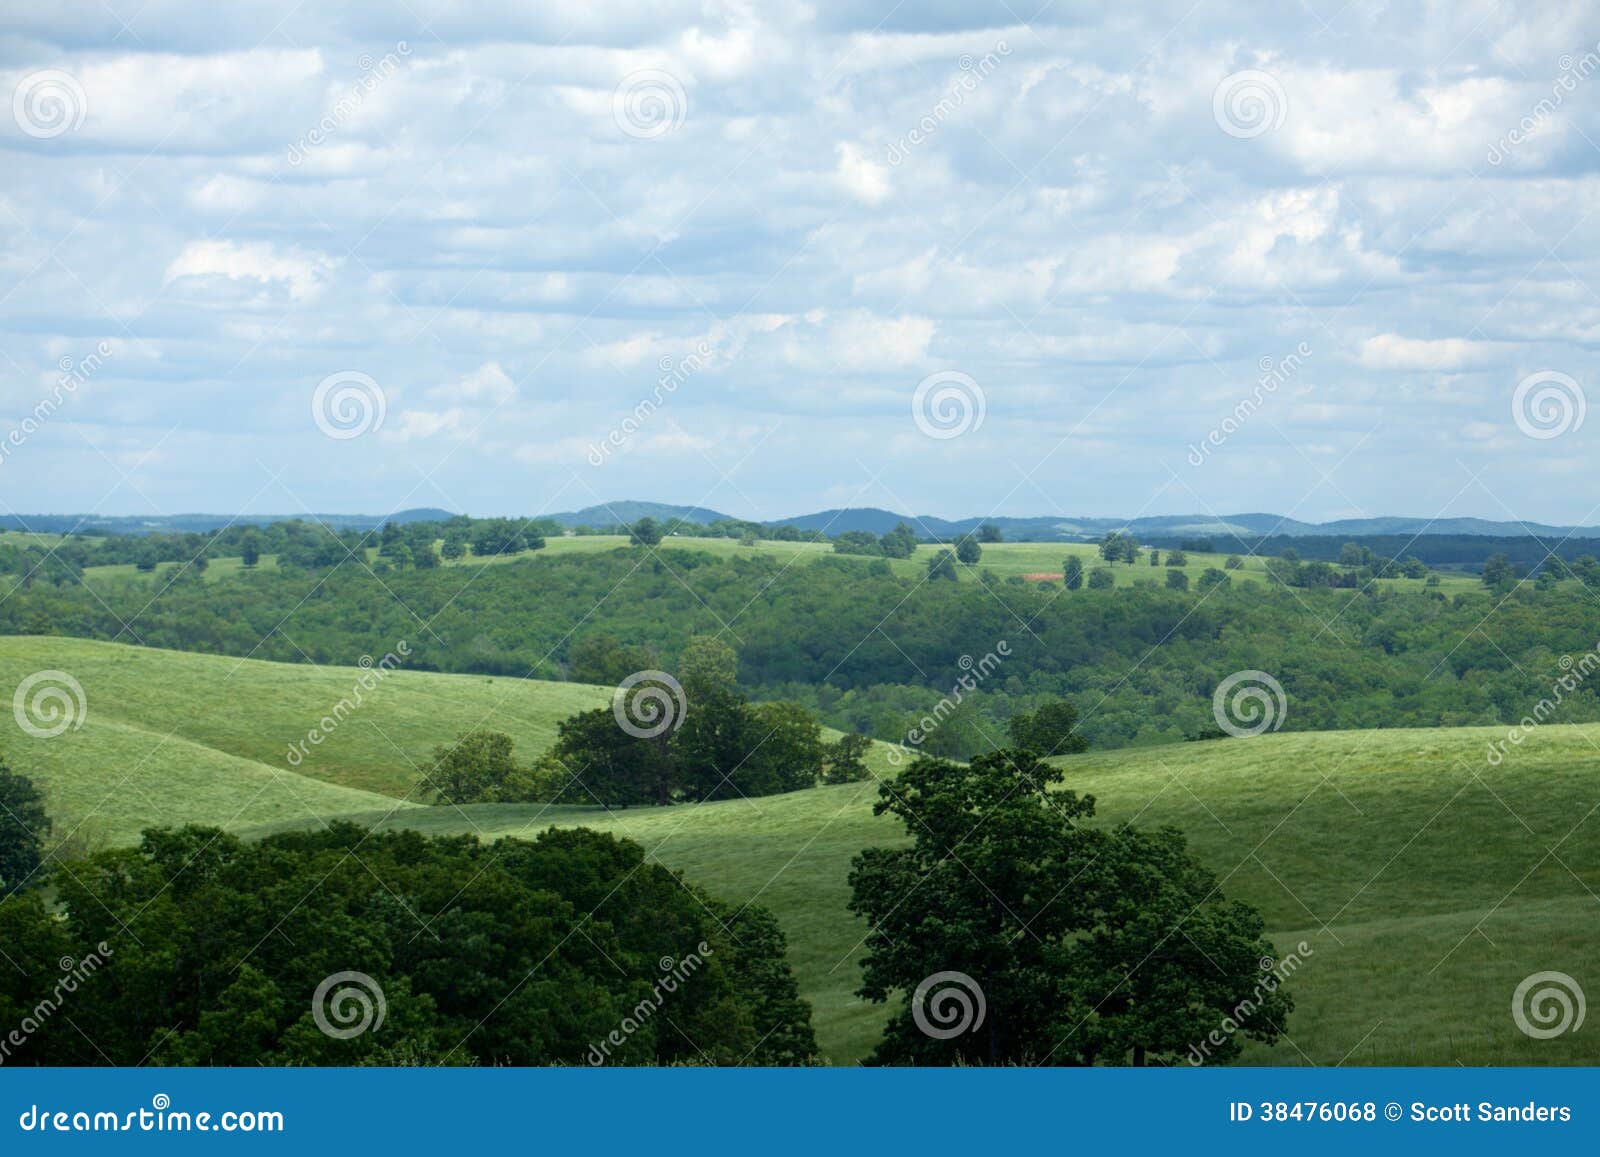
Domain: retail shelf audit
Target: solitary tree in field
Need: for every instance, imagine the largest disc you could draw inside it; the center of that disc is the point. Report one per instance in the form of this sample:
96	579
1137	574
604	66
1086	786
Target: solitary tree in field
708	664
1177	580
901	542
473	769
942	566
1051	730
645	532
250	550
845	760
1055	942
989	532
1072	572
1497	569
968	550
24	825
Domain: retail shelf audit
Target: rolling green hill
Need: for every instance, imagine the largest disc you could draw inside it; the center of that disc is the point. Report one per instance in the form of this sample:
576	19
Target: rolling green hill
1037	560
178	724
1426	881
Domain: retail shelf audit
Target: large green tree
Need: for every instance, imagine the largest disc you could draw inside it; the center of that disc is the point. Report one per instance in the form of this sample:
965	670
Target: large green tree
645	532
478	767
24	827
567	949
1026	912
1050	730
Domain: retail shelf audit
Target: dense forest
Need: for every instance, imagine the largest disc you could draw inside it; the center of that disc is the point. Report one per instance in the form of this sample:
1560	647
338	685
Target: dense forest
206	950
872	651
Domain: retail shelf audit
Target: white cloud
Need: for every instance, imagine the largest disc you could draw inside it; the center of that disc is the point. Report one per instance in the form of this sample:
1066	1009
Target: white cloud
489	383
1388	351
864	179
1079	235
303	274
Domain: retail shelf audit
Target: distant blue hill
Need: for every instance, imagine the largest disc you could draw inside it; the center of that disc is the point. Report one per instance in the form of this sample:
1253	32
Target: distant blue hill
1073	529
613	513
197	523
1040	528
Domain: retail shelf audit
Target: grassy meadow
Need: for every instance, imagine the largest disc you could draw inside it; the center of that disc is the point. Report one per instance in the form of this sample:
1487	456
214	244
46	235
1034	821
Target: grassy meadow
1036	561
1425	881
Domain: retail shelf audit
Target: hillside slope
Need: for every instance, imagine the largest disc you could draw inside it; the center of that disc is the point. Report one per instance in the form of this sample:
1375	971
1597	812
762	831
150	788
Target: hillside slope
1425	882
1426	879
256	710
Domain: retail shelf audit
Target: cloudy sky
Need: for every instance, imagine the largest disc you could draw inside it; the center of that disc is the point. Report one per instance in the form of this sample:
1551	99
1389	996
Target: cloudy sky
960	258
